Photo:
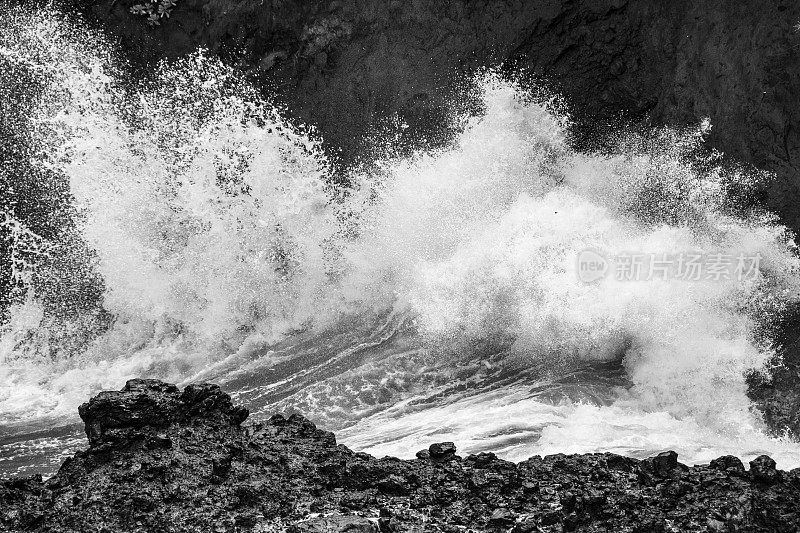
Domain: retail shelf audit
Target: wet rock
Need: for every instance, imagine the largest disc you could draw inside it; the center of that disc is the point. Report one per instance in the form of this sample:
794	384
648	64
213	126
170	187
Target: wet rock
149	403
529	525
220	467
288	475
715	525
618	462
571	522
664	464
502	518
568	501
762	470
207	401
394	484
442	451
142	402
334	524
728	463
550	518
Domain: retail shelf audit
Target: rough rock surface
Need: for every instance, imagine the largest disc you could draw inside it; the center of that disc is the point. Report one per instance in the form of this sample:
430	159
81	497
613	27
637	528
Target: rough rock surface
161	459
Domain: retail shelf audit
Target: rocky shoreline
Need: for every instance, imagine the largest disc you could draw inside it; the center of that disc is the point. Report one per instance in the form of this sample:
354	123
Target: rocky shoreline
162	459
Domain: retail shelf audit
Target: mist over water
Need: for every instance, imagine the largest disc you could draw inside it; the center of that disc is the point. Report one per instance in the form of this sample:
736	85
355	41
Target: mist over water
435	297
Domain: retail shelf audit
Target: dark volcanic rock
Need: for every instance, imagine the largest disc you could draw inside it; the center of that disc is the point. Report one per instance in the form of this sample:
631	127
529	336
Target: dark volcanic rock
154	404
728	463
762	469
663	465
194	467
442	450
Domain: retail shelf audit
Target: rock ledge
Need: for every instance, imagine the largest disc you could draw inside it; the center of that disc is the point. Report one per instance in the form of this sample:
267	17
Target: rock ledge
161	459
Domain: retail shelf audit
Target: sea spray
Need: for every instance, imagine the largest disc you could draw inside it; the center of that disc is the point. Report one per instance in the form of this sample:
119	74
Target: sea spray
483	241
209	215
441	286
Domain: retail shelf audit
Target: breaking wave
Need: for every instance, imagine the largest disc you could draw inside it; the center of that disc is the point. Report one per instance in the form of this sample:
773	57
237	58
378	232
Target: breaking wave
433	295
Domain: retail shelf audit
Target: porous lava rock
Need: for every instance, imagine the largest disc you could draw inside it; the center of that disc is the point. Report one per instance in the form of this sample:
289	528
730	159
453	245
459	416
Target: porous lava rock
162	459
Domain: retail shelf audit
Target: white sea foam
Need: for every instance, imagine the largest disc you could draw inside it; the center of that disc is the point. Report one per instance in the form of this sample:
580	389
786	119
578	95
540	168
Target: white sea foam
217	231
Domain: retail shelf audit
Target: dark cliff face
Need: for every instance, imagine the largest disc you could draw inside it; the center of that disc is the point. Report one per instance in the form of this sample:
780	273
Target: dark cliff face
161	459
344	65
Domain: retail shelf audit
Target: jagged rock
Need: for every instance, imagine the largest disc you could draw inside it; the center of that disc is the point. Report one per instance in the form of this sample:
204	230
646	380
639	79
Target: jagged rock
193	467
334	524
665	463
141	402
502	518
393	484
762	469
442	450
154	404
526	526
728	463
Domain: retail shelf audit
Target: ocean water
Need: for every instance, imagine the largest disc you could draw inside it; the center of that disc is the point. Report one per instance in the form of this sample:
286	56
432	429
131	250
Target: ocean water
434	297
